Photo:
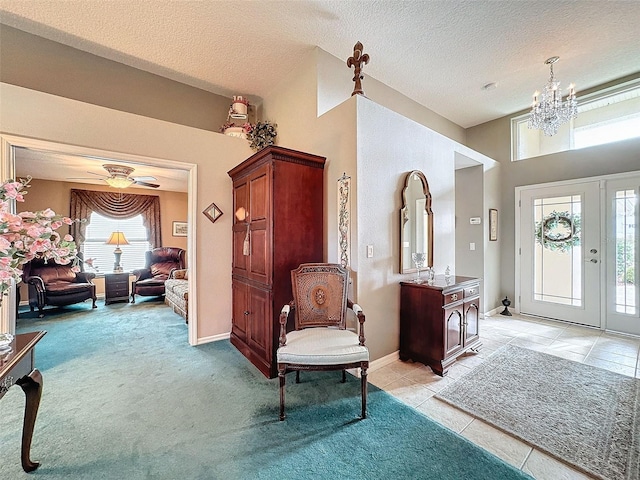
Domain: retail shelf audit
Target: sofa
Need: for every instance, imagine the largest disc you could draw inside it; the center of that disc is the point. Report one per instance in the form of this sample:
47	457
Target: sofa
176	292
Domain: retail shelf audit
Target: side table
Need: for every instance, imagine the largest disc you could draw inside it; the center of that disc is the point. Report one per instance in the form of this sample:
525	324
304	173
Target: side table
116	287
17	366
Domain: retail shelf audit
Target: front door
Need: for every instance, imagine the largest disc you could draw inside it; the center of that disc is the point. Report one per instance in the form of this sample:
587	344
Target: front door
560	258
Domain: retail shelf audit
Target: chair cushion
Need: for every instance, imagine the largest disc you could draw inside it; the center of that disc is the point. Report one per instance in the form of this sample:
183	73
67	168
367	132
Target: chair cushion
152	282
322	346
66	288
179	288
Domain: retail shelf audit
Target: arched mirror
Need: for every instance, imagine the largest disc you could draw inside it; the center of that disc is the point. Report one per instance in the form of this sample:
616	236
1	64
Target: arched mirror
416	222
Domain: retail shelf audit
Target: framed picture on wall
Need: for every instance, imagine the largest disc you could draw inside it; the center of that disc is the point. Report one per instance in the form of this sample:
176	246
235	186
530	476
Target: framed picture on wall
493	224
179	229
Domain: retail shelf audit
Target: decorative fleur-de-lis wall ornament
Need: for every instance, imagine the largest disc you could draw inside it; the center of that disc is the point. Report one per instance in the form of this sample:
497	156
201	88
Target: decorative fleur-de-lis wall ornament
357	61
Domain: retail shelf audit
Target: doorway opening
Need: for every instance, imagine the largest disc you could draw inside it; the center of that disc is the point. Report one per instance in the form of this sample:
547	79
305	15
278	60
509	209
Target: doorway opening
9	147
577	251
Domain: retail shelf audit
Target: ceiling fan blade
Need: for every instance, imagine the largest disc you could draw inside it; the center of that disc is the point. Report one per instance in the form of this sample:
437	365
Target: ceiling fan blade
83	178
145	179
98	174
145	184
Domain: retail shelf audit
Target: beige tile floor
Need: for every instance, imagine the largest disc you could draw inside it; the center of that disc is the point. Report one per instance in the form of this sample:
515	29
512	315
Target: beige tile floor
416	384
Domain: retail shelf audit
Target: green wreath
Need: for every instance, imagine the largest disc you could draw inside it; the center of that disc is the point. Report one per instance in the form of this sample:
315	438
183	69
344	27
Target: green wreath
559	231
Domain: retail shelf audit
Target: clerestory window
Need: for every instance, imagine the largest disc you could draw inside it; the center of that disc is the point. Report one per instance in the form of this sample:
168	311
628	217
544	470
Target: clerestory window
605	116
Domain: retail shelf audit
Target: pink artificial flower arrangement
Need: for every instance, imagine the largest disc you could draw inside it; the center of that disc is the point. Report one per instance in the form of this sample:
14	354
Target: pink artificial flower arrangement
28	235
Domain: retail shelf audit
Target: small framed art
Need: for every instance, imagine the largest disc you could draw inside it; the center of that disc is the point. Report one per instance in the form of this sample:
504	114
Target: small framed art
180	229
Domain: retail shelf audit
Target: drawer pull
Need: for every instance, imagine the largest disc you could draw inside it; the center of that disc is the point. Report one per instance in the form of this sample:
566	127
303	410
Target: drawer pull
471	291
454	296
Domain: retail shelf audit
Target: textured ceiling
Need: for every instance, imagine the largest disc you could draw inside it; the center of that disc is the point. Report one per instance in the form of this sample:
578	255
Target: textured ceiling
438	52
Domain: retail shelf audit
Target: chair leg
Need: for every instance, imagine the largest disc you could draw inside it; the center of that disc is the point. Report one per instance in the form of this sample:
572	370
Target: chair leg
281	372
363	382
297	376
344	375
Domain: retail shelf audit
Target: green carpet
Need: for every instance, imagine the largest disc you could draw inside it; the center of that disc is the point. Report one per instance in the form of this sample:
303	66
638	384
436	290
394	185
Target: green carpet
125	397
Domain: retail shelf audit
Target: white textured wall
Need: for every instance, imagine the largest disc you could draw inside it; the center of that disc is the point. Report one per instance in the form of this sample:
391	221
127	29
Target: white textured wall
389	147
470	203
335	86
47	117
377	147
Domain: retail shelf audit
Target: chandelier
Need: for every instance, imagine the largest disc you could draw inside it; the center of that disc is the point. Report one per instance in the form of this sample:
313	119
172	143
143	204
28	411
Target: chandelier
548	111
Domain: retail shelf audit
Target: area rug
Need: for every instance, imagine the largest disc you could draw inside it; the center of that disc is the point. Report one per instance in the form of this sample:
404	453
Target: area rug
126	398
582	415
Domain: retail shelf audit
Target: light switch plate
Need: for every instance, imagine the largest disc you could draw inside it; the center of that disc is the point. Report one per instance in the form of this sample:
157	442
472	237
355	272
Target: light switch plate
369	251
472	246
475	220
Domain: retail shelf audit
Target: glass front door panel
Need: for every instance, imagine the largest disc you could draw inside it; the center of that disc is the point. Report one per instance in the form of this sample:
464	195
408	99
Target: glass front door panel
558	273
626	277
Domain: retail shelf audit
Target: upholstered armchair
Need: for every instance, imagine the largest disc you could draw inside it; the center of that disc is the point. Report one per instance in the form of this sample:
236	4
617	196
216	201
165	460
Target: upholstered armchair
56	285
321	340
160	262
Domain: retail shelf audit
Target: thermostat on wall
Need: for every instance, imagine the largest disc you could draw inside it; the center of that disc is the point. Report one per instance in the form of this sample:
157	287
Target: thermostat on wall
474	220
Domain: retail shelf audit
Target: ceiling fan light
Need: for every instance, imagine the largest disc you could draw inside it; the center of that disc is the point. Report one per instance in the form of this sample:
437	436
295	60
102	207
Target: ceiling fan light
119	182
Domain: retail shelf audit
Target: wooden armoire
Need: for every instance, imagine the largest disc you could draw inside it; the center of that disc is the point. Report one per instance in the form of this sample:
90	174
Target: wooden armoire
277	225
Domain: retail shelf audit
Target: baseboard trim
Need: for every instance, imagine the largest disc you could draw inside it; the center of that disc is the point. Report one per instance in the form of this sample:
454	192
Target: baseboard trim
377	364
384	361
214	338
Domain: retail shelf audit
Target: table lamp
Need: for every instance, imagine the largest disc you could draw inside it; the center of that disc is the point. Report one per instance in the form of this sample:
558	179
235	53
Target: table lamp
117	239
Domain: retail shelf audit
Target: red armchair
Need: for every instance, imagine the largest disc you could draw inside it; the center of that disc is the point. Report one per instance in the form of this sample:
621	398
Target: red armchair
56	285
160	262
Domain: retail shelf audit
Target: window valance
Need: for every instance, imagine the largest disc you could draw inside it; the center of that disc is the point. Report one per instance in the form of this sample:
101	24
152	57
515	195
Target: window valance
117	206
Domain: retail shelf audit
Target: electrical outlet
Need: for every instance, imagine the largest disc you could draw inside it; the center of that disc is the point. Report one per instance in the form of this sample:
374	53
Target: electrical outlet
369	251
472	246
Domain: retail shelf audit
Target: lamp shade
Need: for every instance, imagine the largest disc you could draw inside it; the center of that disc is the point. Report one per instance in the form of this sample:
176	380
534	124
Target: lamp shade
117	238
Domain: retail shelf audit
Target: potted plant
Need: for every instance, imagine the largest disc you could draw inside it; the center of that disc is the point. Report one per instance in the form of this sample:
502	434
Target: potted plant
261	135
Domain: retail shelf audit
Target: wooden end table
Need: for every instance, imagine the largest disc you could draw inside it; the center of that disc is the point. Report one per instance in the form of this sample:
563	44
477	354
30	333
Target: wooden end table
17	367
116	287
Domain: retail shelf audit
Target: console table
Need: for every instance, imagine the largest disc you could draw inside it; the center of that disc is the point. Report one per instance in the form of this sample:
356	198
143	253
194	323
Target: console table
439	322
17	366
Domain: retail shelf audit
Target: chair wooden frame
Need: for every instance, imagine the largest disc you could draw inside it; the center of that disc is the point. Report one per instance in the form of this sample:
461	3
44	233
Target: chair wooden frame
337	324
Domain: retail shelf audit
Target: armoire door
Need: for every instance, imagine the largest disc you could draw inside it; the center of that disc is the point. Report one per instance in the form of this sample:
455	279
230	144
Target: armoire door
260	228
240	312
260	323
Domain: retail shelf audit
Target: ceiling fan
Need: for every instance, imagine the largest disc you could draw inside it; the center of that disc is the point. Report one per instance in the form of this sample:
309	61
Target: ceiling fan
120	177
